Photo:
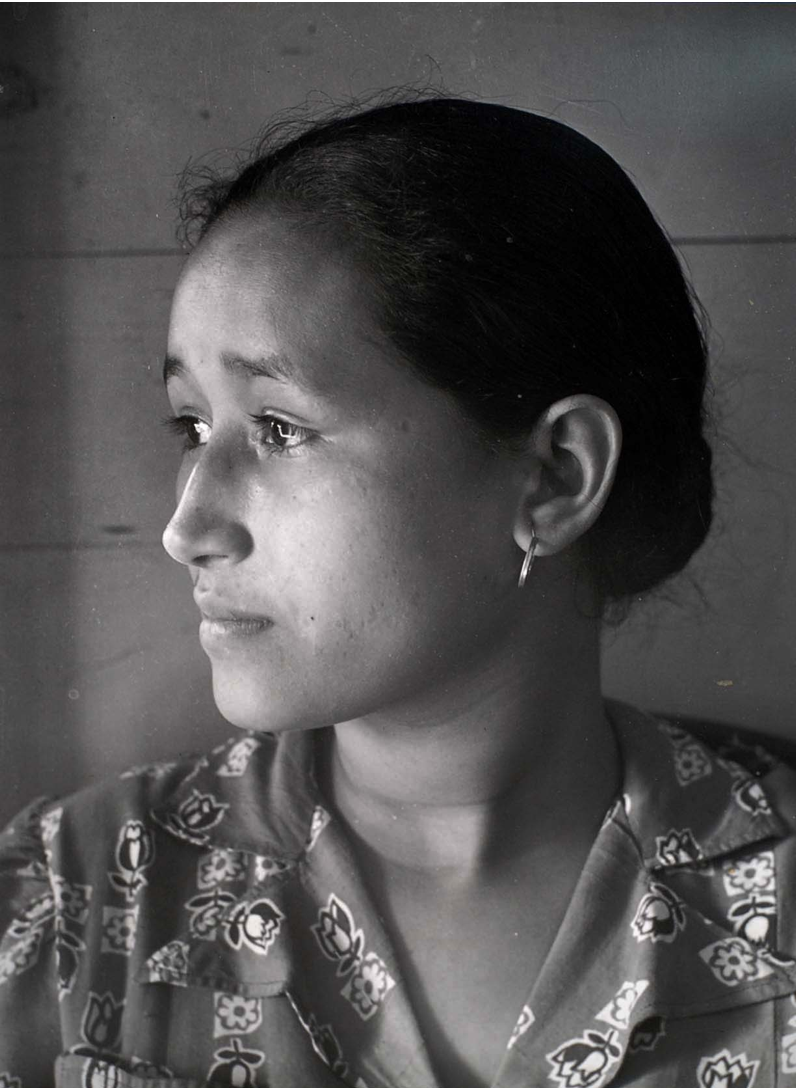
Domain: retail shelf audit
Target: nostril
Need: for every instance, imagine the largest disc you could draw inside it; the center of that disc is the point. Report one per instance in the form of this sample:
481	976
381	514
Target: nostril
200	541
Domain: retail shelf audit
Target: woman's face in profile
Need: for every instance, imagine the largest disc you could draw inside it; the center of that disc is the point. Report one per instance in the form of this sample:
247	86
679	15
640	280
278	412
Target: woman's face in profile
348	535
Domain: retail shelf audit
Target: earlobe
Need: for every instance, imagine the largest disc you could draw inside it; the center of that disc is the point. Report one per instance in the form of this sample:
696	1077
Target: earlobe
577	443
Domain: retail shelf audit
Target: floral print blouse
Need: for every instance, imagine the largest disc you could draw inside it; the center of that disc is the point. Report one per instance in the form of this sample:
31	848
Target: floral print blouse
205	923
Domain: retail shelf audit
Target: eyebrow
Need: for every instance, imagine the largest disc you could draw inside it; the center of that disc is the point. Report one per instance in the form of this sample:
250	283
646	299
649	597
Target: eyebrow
279	368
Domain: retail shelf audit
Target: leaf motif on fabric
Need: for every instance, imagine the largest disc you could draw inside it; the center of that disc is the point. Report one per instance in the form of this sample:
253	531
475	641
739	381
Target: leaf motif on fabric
135	852
254	926
659	917
194	818
236	1065
338	936
752	917
238	758
206	911
647	1034
749	795
678	848
584	1062
722	1070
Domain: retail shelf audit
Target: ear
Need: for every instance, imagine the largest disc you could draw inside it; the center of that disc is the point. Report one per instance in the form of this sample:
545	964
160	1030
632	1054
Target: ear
575	449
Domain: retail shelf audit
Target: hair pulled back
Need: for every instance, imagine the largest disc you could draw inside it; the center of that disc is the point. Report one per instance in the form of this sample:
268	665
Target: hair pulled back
514	263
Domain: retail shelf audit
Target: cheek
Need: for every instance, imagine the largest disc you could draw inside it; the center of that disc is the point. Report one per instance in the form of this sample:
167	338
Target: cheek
370	558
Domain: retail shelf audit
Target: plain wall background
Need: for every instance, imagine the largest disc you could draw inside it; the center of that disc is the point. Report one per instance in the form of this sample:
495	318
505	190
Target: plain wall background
102	104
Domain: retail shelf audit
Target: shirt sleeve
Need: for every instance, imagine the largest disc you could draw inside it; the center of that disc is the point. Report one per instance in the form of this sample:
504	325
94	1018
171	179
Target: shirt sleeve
30	1034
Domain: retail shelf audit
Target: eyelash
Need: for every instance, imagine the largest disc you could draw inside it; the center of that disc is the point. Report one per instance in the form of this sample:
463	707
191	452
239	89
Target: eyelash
184	427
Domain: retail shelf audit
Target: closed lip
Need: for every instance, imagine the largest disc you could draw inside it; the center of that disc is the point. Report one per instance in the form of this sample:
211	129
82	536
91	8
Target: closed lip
218	613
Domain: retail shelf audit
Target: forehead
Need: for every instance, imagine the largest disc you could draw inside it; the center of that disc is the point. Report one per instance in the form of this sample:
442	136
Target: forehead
267	288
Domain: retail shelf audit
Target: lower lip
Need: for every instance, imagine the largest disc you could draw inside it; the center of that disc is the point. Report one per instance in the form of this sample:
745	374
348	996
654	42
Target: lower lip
225	632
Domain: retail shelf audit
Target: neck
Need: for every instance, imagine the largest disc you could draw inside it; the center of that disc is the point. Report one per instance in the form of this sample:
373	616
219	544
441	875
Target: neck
510	759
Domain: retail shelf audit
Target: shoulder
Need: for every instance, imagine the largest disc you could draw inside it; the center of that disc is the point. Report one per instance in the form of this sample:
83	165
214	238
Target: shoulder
91	821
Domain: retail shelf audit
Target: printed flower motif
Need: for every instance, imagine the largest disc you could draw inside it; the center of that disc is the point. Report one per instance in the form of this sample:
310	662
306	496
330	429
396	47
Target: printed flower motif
255	925
751	918
584	1062
323	1039
135	851
206	912
118	930
647	1034
238	758
676	734
525	1020
236	1015
725	1071
368	985
678	848
733	961
21	956
659	917
36	916
752	874
691	763
268	867
220	866
327	1046
201	811
50	825
195	816
72	899
98	1073
149	770
617	1012
236	1066
788	1053
102	1021
68	947
337	935
169	963
750	796
320	818
775	958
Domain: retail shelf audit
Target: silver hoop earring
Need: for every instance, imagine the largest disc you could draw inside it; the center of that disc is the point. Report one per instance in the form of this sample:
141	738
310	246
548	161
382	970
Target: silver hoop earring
527	562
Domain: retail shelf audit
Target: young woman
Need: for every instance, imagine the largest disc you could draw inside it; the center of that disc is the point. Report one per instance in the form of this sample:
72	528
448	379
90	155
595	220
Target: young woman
439	384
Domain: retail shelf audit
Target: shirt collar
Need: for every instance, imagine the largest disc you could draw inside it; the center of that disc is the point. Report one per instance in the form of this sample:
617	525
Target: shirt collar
256	793
683	805
681	809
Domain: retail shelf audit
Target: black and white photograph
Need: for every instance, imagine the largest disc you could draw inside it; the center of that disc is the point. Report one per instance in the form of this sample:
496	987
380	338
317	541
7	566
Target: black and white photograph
397	581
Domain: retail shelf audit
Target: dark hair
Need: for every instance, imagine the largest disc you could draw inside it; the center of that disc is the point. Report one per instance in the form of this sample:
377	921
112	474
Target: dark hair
514	263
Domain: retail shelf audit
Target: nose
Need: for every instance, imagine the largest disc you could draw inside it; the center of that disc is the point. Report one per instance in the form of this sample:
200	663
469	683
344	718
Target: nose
206	528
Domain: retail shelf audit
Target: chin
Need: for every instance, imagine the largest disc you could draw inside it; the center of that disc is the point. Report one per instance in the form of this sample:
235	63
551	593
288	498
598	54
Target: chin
250	705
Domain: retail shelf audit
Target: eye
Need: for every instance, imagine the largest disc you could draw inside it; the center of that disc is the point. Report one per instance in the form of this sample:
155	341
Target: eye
193	431
280	434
